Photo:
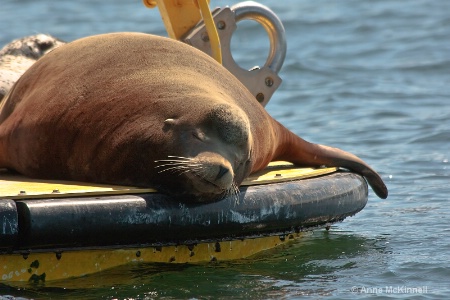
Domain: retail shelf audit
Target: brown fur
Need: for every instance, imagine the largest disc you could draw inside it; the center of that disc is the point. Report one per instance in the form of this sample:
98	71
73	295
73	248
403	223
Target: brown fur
137	109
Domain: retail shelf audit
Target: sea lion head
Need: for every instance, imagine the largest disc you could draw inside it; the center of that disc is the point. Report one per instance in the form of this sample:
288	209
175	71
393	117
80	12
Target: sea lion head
211	155
33	46
19	55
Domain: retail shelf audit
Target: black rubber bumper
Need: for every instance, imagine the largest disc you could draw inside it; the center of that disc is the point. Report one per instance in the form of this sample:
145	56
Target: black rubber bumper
157	219
9	224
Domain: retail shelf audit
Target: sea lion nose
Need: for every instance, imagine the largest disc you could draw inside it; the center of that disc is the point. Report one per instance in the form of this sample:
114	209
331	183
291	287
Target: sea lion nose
222	171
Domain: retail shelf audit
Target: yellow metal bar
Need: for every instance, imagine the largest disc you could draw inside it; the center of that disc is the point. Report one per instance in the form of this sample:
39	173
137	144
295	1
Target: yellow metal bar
179	16
47	266
211	29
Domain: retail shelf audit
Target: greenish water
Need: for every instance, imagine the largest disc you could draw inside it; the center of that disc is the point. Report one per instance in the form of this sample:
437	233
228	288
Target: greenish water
371	77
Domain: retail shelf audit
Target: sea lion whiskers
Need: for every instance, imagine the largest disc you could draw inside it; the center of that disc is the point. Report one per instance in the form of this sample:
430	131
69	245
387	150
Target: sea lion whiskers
233	192
180	160
181	169
182	165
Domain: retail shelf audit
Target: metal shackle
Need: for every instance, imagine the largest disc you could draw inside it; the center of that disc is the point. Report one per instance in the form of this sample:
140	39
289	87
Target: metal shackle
250	10
263	81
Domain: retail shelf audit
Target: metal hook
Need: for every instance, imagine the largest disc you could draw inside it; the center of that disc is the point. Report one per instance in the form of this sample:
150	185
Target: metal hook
261	81
251	10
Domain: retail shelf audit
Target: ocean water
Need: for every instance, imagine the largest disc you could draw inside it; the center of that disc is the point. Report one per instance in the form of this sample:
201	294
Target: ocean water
371	77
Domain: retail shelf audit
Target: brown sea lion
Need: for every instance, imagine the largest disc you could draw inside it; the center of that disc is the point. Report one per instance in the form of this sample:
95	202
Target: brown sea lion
17	56
143	110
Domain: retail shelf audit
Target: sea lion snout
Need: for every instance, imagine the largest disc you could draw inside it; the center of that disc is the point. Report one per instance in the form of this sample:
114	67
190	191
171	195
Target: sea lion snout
210	176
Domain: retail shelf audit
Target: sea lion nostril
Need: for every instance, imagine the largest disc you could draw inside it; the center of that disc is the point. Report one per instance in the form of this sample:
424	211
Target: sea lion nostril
222	172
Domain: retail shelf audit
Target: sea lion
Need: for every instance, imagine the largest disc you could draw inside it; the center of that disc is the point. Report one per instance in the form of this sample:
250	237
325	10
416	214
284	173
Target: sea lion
143	110
17	56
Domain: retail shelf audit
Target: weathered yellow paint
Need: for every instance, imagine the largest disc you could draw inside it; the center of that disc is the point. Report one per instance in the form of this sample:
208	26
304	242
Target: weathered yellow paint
11	185
214	40
282	172
15	186
179	16
47	266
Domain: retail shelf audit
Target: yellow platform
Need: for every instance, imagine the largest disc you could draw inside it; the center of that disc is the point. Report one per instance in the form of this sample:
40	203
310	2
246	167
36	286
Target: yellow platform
15	186
47	266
